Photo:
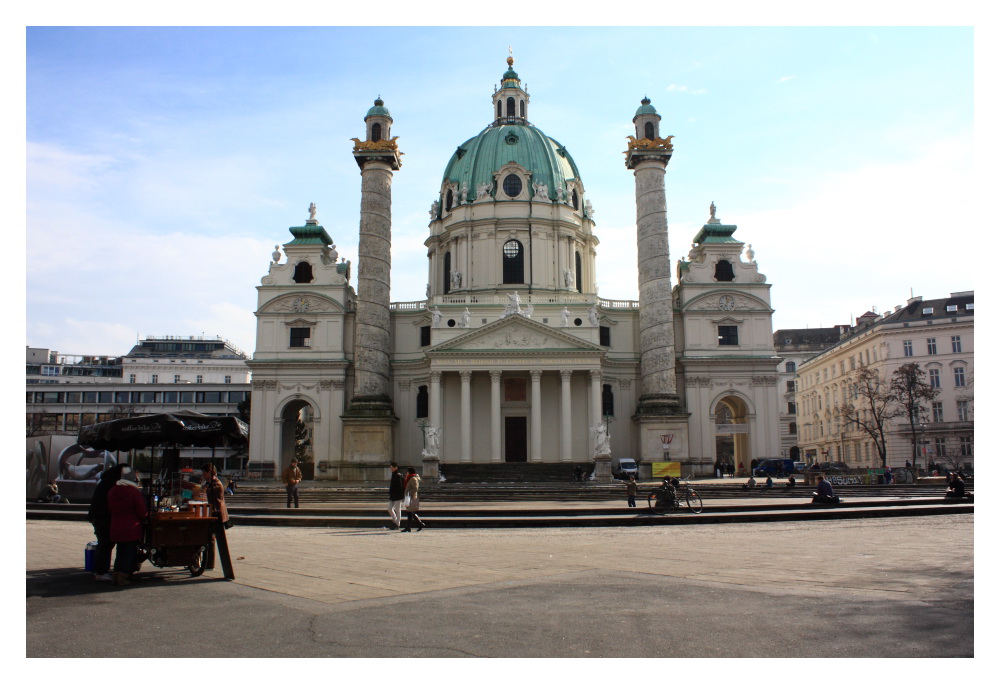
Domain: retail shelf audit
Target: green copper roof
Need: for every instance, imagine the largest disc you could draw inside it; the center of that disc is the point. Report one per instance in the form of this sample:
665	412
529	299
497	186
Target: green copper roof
646	108
715	233
378	109
477	159
310	235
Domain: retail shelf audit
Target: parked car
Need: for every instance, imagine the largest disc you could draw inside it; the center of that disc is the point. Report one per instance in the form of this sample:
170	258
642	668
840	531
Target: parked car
775	466
623	468
830	466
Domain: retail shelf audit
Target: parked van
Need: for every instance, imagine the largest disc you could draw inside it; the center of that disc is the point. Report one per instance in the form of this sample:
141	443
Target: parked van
624	468
775	466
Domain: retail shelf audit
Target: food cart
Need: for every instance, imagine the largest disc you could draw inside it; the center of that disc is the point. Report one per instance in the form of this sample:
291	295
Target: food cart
180	530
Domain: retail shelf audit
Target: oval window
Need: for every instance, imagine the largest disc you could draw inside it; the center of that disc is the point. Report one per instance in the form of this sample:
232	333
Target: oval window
512	185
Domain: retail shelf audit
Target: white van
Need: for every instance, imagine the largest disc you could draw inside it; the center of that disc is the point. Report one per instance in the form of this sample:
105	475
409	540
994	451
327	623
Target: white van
624	468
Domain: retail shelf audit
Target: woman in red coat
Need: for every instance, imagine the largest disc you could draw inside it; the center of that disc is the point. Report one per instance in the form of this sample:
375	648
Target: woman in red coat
128	510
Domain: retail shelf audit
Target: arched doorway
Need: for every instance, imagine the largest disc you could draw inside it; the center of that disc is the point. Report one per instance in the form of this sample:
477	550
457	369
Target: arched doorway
732	433
296	435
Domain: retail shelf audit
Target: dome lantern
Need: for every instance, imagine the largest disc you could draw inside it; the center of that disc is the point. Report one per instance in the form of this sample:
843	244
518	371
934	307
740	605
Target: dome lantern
510	101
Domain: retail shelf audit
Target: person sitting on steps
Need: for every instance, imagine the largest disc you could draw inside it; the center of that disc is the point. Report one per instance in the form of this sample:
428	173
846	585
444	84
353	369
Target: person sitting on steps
824	492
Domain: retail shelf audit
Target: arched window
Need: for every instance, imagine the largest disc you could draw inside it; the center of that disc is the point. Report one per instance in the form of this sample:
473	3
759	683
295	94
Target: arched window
447	272
510	107
579	273
724	271
303	272
649	130
522	109
376	132
513	262
512	185
576	200
422	401
790	367
449	200
499	109
607	401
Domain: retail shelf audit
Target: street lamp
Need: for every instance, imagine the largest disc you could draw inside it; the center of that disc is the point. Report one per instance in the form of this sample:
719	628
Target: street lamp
923	428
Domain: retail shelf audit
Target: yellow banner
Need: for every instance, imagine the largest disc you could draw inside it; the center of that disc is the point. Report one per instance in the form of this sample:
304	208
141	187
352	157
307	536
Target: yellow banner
666	468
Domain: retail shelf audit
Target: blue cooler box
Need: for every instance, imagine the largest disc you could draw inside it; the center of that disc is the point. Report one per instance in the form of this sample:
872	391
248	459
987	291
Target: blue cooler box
88	556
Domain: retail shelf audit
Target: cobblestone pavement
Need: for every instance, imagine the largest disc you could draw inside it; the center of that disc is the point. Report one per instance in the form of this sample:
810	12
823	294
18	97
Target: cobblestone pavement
864	588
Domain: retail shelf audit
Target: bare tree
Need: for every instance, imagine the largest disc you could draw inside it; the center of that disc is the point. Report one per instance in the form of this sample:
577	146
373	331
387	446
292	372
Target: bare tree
910	391
870	408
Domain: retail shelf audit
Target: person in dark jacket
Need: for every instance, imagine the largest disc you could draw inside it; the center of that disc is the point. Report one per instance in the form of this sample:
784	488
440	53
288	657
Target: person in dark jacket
100	517
128	510
824	492
956	487
395	495
215	495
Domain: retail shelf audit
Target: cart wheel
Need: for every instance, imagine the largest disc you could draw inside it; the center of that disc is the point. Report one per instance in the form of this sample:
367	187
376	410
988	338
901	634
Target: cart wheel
198	561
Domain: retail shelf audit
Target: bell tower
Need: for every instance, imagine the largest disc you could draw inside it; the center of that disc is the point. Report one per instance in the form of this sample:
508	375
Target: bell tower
510	101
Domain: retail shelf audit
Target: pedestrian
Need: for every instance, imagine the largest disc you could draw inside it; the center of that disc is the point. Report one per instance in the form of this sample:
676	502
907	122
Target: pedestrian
824	492
100	517
51	494
908	466
888	475
732	469
395	495
217	505
411	500
292	477
768	482
791	481
956	486
631	488
128	510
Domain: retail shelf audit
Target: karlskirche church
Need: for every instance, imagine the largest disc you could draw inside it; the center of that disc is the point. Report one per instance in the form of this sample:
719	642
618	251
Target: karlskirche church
512	360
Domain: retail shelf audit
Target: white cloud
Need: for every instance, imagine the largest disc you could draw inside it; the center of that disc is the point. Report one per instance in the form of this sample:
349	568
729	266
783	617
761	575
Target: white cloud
786	78
54	169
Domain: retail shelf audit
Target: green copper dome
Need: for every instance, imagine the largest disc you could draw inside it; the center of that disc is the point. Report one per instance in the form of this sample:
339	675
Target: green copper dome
477	159
646	108
378	109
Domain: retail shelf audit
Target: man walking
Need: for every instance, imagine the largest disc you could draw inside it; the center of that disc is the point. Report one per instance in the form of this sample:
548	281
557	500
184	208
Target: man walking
631	488
292	477
395	495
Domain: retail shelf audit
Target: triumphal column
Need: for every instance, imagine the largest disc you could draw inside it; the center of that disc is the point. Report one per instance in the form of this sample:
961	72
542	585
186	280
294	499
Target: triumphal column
369	423
663	426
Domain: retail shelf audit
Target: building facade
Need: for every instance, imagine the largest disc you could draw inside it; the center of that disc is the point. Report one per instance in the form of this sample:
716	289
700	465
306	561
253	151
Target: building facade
795	346
512	356
937	335
160	374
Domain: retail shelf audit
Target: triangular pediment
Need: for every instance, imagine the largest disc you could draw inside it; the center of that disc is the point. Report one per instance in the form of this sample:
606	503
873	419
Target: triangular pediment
515	334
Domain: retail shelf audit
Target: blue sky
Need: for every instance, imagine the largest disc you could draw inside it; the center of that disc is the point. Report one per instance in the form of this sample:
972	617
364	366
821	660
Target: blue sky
164	164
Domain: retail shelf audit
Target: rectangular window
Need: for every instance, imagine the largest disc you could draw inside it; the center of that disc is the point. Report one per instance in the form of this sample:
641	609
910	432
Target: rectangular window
956	344
937	411
940	447
728	335
72	397
155	378
422	400
789	385
963	410
931	346
425	336
170	397
605	333
791	408
187	397
198	379
959	376
951	308
105	397
228	380
150	398
934	377
907	348
131	378
928	310
299	337
177	379
50	370
853	364
965	446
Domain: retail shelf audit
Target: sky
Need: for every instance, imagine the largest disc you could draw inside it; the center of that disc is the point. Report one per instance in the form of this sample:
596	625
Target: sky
164	164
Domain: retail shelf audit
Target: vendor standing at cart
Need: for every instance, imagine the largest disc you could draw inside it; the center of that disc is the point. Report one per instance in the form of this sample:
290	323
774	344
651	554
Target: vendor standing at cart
216	497
128	510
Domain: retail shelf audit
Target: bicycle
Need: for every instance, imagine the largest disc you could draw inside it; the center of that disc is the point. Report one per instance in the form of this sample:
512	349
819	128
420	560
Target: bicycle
668	498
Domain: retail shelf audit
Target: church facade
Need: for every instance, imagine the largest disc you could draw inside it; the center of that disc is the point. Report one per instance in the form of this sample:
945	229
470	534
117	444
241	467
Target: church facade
512	357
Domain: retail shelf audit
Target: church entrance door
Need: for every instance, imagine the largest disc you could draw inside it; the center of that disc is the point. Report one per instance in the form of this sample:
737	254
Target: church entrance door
515	439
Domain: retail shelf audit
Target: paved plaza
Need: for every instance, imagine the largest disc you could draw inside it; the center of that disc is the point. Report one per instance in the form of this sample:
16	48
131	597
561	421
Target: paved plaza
846	588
